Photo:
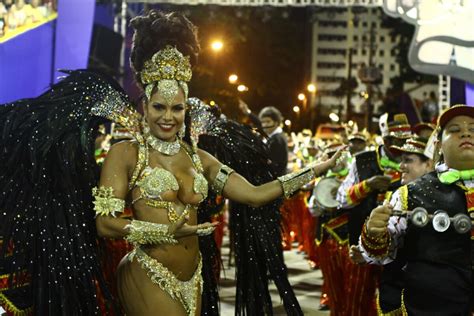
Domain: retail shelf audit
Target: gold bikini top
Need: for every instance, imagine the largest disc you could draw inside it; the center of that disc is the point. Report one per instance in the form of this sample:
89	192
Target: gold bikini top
153	182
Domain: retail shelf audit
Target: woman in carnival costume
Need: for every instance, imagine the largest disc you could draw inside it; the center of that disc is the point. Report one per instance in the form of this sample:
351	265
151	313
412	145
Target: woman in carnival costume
49	237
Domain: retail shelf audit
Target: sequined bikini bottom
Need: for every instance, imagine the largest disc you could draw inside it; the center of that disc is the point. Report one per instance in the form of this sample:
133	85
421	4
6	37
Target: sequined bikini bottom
183	291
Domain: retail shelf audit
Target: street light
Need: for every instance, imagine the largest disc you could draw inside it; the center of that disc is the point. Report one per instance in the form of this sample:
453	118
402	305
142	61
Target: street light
287	122
311	88
296	109
334	117
364	94
301	97
233	78
242	88
217	45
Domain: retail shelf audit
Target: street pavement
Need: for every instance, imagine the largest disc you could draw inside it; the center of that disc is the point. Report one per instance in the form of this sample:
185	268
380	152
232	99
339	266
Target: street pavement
305	282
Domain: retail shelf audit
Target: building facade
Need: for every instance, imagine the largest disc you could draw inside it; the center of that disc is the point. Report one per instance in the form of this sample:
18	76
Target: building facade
343	42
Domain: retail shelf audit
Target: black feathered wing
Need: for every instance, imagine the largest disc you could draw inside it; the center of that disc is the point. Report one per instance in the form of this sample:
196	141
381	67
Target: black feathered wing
255	231
48	226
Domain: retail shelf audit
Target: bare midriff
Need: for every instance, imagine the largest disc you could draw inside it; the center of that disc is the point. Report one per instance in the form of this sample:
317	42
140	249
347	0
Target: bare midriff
182	258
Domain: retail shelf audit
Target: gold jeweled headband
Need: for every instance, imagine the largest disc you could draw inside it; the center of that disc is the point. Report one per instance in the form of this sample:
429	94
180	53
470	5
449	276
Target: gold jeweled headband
168	70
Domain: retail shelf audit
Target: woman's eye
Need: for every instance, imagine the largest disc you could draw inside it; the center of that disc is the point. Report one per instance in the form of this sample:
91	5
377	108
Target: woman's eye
178	108
158	107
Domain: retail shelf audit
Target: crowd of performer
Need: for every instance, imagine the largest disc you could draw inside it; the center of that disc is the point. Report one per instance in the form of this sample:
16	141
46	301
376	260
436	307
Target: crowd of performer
386	216
345	224
357	223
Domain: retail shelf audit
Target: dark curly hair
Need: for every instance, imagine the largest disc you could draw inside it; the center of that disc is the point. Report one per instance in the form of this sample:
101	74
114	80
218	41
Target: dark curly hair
155	30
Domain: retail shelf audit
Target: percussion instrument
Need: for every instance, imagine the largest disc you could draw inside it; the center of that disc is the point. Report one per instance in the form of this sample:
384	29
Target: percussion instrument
440	219
323	198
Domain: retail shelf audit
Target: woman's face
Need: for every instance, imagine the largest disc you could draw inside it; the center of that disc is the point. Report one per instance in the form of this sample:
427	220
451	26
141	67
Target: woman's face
413	167
165	119
457	143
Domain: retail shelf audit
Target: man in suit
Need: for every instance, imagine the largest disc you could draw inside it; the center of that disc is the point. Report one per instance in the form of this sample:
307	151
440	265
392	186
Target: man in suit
269	120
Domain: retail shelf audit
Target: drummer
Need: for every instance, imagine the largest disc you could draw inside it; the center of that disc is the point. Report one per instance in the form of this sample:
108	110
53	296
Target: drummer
438	273
423	130
357	143
415	163
371	175
331	231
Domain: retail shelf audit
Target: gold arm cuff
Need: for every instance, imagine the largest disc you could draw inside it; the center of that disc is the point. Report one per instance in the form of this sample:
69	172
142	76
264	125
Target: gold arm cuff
221	179
106	203
290	183
146	233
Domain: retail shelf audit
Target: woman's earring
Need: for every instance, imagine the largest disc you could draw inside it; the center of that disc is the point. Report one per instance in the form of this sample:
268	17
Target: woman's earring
144	121
182	131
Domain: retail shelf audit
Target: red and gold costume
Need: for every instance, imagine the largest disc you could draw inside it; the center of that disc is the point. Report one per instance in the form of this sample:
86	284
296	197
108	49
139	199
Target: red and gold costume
359	199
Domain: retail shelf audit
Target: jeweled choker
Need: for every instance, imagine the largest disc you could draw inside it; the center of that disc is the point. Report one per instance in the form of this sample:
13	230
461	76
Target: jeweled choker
166	148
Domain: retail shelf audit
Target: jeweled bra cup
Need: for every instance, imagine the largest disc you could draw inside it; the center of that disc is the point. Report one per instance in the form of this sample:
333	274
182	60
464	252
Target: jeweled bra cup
155	181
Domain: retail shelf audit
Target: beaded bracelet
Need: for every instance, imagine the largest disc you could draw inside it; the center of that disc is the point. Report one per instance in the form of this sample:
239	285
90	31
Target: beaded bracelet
377	247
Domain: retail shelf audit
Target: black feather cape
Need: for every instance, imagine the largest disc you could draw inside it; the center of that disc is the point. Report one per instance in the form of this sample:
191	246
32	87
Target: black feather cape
48	171
255	231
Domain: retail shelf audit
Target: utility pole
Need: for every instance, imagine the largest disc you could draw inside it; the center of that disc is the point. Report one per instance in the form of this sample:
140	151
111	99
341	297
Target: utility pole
369	75
370	107
350	45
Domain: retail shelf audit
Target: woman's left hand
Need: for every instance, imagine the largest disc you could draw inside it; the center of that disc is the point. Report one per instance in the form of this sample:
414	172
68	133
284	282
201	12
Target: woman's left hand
181	229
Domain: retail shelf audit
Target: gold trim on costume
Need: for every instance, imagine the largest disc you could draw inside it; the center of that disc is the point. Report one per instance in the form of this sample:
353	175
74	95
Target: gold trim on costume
173	216
148	233
167	70
186	292
106	203
404	196
221	179
11	308
200	184
205	231
330	229
401	311
141	164
292	182
167	63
